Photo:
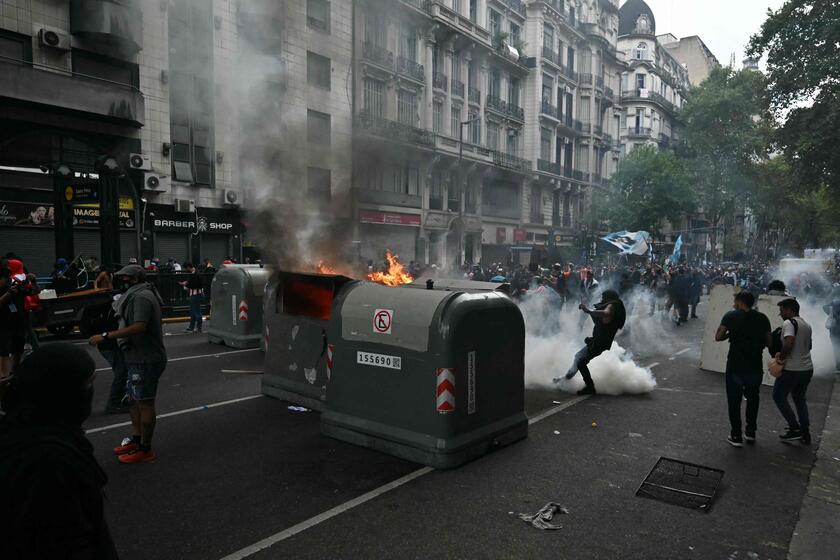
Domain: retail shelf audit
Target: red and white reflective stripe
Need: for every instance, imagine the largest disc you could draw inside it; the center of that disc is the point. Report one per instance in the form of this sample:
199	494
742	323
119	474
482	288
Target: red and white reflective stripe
330	349
243	310
445	390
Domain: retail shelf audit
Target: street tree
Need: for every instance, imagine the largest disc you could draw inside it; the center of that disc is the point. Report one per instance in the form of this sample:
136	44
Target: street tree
727	131
801	41
649	188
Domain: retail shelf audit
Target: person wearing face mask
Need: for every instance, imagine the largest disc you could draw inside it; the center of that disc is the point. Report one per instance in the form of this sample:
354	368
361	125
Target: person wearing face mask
51	484
140	338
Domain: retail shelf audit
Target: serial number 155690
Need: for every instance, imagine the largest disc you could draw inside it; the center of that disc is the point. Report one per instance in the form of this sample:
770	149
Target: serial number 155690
378	360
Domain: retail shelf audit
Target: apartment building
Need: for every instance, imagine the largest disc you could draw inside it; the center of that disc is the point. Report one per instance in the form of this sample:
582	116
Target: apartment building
654	87
692	53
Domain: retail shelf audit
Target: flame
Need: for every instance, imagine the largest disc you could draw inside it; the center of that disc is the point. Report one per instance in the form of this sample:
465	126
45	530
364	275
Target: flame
396	274
324	268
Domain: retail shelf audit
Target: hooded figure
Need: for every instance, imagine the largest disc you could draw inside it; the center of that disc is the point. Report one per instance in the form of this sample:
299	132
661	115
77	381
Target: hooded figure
52	486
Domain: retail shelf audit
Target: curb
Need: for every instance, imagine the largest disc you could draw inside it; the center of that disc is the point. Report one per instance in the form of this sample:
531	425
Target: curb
818	528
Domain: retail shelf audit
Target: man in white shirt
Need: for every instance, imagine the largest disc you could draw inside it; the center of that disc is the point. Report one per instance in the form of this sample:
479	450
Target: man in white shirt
797	372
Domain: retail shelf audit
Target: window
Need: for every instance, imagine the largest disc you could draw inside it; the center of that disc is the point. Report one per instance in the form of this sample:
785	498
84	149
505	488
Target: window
456	6
474	11
495	83
570	59
402	179
436	191
318	70
408	42
475	128
500	196
453	202
472	77
495	19
545	144
536	201
317	128
641	80
318	183
456	66
407	107
493	136
374	98
548	37
513	142
455	122
547	88
640	52
190	89
583	110
318	14
374	29
471	198
515	35
567	210
15	46
105	67
437	117
513	91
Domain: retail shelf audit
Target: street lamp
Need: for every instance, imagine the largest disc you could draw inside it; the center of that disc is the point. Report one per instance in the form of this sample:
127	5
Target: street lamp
461	184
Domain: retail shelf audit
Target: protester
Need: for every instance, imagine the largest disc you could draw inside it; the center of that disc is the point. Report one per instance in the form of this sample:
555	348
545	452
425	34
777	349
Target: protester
681	295
195	290
140	338
748	332
696	291
609	316
52	486
105	278
13	320
832	310
796	374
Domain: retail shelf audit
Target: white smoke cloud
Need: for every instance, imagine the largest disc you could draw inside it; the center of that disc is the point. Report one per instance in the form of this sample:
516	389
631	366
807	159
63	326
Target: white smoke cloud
553	338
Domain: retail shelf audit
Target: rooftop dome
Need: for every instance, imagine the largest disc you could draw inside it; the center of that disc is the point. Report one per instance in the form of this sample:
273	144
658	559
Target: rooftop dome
636	18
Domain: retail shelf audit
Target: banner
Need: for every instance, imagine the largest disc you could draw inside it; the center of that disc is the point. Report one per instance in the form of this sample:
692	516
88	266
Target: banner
629	242
675	256
34	214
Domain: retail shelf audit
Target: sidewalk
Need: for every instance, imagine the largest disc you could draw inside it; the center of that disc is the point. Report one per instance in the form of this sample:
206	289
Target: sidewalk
817	532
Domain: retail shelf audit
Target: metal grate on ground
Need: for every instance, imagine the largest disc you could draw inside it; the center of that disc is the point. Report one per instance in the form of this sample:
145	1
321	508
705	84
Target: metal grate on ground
681	483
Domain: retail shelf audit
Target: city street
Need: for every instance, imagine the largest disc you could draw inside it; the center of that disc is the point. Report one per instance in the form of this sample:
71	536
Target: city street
246	469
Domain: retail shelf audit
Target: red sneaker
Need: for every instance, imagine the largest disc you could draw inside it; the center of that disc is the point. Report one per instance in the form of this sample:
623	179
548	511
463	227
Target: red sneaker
138	457
124	448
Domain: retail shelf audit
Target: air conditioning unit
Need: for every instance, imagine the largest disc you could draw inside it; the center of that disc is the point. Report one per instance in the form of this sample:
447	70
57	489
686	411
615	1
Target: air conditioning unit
155	182
139	161
508	51
184	206
52	38
231	197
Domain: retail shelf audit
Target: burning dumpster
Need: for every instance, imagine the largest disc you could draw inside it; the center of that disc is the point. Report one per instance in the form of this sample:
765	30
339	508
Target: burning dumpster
297	310
236	302
433	376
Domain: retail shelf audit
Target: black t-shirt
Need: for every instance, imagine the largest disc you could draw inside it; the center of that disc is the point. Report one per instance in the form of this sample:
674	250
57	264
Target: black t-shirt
747	339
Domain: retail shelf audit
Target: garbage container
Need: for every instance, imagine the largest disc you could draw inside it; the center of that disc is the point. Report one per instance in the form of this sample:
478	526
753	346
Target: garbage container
297	311
432	376
236	305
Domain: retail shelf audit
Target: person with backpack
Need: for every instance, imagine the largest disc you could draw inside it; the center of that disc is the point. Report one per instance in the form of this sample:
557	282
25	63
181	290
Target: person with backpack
748	332
797	371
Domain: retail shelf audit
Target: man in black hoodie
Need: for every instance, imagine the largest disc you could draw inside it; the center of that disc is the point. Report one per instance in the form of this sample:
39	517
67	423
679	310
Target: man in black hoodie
609	316
50	482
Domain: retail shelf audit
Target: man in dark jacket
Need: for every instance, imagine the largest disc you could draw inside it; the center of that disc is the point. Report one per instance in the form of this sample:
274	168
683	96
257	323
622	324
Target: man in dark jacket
681	294
51	484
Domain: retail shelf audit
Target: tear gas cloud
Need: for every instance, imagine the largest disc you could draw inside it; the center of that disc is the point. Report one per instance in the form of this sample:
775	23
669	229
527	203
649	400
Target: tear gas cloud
553	338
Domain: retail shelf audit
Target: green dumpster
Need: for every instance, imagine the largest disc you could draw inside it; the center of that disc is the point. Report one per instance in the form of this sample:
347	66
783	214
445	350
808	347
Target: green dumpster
236	305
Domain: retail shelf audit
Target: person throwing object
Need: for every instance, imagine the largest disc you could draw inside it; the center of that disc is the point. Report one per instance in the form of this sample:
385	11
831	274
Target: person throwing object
609	316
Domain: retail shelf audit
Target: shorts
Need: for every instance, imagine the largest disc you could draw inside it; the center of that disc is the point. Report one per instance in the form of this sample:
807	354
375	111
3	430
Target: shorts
142	380
12	342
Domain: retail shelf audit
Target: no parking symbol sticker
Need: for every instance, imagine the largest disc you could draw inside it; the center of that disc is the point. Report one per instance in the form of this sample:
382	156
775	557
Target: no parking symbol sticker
382	319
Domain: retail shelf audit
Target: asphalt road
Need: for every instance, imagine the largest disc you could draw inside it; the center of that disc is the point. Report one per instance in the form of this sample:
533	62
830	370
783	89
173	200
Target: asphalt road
229	476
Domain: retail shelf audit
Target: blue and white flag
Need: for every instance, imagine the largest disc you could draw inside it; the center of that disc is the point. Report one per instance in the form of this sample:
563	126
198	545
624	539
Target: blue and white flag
629	242
675	256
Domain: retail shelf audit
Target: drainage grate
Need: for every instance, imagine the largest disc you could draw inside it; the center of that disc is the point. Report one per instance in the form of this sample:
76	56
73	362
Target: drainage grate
680	483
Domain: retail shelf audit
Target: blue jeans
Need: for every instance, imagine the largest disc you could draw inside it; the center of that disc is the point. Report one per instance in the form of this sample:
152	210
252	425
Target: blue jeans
793	383
114	357
195	312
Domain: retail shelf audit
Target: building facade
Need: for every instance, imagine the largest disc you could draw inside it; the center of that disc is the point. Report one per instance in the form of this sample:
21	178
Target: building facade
692	53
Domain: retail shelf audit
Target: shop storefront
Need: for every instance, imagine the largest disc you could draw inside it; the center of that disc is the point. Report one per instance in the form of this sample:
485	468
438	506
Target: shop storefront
208	233
394	231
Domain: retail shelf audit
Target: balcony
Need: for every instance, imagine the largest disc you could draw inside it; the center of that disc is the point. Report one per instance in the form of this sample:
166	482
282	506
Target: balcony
474	95
609	94
378	55
112	101
460	23
516	6
439	81
508	161
515	112
599	82
607	139
638	132
580	176
550	110
410	68
399	132
585	79
458	88
551	56
597	130
652	96
549	167
422	5
496	104
569	73
119	24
